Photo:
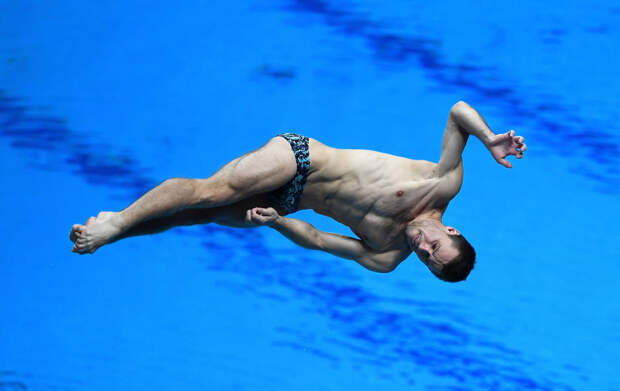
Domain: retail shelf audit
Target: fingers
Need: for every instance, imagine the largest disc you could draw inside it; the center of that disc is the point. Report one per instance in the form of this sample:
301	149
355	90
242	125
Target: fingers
520	149
505	163
506	144
256	215
520	145
261	215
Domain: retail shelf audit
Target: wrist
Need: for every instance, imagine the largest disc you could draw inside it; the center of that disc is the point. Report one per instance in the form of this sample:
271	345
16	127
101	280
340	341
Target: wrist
275	223
486	138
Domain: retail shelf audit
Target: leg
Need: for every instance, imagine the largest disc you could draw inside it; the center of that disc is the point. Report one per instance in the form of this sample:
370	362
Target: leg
229	215
164	223
257	172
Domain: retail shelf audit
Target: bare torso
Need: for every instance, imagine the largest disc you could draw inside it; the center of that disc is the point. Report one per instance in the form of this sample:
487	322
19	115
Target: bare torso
375	194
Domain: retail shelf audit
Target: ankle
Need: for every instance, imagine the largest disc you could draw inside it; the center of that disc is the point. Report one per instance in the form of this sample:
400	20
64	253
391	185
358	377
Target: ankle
119	220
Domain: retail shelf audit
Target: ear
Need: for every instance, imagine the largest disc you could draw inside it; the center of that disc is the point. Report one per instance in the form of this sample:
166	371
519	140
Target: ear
453	231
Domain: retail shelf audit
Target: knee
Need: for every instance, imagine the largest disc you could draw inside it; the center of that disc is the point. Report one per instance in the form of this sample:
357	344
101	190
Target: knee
177	182
180	185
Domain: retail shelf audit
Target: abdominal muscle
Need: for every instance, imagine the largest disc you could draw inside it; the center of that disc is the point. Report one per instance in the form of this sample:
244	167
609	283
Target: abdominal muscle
373	193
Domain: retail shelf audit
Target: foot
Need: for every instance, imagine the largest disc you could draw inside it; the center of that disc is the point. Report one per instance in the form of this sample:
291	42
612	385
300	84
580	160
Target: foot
95	233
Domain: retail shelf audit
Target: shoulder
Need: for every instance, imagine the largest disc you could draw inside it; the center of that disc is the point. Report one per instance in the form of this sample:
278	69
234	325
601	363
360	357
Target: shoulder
449	182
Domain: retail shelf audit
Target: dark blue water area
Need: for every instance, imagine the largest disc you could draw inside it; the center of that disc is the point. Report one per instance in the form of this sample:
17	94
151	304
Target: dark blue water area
55	147
396	332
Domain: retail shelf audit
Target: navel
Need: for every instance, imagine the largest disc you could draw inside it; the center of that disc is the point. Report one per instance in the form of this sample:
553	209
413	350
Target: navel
400	193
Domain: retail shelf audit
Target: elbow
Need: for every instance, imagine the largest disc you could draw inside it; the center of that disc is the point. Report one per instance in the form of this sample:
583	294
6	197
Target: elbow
317	242
459	107
390	267
386	267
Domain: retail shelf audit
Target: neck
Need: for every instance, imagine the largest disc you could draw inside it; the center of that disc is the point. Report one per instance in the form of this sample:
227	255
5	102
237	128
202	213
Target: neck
433	214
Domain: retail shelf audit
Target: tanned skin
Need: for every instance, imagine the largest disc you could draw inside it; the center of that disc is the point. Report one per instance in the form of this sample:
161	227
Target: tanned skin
394	205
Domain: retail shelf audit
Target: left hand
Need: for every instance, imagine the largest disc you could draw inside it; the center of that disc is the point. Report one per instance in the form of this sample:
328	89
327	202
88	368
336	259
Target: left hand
261	216
502	145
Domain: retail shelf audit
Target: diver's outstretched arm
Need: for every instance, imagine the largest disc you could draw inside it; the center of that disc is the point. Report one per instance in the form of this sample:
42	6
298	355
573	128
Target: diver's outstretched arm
309	237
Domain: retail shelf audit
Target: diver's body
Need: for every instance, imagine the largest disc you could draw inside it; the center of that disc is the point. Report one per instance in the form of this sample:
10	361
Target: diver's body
393	204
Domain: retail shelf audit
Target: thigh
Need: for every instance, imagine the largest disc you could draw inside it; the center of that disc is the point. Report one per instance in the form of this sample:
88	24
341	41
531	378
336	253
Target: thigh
257	172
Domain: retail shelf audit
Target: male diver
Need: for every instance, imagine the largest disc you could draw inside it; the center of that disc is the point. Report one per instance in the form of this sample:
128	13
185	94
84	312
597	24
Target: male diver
393	204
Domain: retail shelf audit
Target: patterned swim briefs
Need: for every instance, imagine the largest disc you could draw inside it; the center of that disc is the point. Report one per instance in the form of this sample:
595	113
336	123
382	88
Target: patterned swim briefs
288	196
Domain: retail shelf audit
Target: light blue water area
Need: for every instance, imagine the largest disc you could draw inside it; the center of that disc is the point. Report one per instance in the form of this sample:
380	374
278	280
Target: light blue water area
101	101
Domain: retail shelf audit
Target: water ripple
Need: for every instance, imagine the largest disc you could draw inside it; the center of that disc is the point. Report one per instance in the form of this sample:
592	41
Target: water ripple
428	336
63	149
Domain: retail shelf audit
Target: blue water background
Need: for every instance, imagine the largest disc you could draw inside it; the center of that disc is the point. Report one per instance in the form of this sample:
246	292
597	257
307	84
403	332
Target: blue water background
100	101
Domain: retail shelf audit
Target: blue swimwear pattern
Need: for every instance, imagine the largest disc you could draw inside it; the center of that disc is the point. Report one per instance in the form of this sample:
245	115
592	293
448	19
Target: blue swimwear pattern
288	196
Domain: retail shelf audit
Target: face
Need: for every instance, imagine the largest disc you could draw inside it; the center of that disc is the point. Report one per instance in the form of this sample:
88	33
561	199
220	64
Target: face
432	243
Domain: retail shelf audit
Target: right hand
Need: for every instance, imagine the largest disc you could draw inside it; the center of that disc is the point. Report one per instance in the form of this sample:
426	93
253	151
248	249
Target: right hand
261	216
502	145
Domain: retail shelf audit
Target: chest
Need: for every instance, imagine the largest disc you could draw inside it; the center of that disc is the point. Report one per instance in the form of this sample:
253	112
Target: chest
382	223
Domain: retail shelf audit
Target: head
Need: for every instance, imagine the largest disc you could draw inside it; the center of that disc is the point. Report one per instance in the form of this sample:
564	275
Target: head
442	249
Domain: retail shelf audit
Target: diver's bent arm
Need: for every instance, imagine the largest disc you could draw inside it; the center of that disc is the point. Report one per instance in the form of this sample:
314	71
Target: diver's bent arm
306	235
463	120
470	121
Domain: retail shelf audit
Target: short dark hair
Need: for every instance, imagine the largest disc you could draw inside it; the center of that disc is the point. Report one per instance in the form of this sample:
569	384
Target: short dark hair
458	269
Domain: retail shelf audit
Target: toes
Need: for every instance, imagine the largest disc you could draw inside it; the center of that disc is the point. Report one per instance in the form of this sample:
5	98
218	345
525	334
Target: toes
76	248
76	231
73	235
81	248
82	242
